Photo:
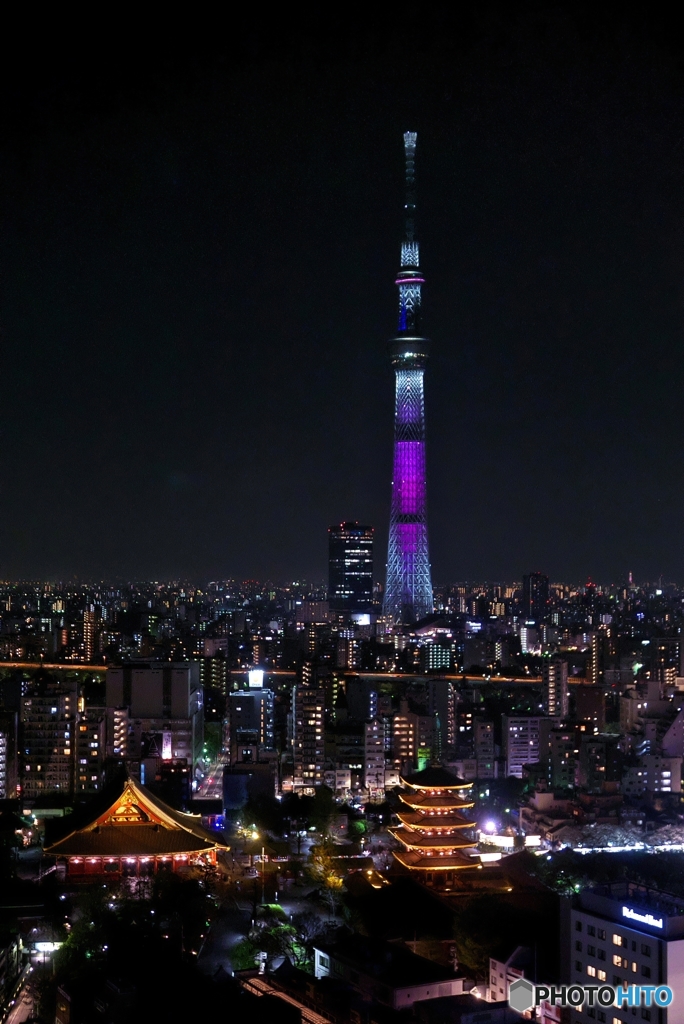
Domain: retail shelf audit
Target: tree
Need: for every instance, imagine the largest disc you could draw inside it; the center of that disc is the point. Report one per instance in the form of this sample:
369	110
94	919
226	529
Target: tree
243	956
478	929
266	812
323	870
323	808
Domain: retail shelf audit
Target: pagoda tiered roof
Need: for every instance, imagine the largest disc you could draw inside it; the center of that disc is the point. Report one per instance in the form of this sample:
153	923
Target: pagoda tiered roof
432	831
415	861
417	841
433	801
434	822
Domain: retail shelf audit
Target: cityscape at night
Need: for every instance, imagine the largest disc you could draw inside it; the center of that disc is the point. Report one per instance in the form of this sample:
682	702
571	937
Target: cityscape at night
342	628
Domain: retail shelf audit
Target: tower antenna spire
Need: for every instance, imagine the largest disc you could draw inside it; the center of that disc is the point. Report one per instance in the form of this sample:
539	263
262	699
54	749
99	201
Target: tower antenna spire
408	593
410	204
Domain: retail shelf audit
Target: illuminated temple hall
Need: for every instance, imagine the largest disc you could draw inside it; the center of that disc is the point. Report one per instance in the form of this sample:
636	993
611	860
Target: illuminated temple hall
434	832
137	836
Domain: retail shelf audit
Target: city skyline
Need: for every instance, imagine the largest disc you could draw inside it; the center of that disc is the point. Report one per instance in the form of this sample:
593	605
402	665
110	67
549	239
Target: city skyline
174	369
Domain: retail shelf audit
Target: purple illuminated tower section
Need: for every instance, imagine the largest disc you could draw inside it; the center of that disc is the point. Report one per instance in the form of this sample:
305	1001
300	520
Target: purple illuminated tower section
408	593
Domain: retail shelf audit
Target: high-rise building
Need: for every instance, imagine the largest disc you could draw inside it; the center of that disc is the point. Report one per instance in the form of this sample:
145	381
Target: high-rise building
308	738
165	705
525	740
90	631
350	567
535	596
555	679
601	655
436	657
90	750
442	700
8	755
563	757
484	749
374	760
625	934
48	717
413	738
590	707
666	655
250	717
362	699
408	592
600	763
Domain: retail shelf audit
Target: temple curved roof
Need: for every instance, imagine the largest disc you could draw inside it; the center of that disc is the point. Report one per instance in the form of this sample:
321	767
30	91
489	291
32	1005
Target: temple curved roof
137	823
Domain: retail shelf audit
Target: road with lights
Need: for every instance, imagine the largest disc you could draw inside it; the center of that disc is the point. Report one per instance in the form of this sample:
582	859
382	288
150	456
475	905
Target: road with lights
22	1006
211	786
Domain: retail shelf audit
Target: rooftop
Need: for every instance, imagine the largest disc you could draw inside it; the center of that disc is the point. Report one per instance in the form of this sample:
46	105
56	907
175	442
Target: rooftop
392	964
137	823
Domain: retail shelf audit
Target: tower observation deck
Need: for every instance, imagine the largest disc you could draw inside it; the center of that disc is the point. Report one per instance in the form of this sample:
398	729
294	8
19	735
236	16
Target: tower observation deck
408	591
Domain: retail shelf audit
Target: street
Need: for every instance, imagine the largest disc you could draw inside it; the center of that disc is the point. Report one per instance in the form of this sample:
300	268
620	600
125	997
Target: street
22	1007
211	787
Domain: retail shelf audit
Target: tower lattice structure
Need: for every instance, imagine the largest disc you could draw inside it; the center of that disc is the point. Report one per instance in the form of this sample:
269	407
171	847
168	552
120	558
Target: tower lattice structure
408	592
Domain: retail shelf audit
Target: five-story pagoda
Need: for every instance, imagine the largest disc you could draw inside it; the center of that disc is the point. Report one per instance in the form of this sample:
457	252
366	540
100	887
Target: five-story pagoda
435	834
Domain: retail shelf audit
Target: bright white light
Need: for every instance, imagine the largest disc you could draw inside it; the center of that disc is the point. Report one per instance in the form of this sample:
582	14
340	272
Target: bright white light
490	826
256	678
655	922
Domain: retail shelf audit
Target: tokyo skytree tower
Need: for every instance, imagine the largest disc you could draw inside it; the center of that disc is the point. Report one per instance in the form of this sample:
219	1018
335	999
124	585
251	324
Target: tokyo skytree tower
408	593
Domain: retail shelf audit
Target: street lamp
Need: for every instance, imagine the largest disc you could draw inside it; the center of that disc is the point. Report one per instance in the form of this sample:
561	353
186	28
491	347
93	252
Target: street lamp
263	876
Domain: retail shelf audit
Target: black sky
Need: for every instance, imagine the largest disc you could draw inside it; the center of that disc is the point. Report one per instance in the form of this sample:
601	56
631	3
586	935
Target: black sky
197	250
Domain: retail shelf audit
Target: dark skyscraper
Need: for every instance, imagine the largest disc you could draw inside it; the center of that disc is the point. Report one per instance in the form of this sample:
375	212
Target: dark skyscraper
350	562
535	596
408	594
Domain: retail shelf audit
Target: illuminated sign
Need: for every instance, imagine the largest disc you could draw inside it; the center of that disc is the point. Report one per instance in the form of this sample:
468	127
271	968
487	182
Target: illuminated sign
47	947
167	751
256	678
423	758
655	922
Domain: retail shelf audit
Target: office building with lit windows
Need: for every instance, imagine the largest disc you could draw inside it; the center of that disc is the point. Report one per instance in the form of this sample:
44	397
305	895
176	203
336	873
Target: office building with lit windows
164	703
525	741
625	934
350	567
8	755
90	750
555	679
308	739
48	719
250	724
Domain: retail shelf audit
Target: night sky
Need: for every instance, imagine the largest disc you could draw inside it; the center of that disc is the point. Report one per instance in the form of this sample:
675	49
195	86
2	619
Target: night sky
197	254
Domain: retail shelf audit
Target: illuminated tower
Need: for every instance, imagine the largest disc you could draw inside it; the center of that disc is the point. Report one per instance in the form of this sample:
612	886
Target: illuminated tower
408	593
